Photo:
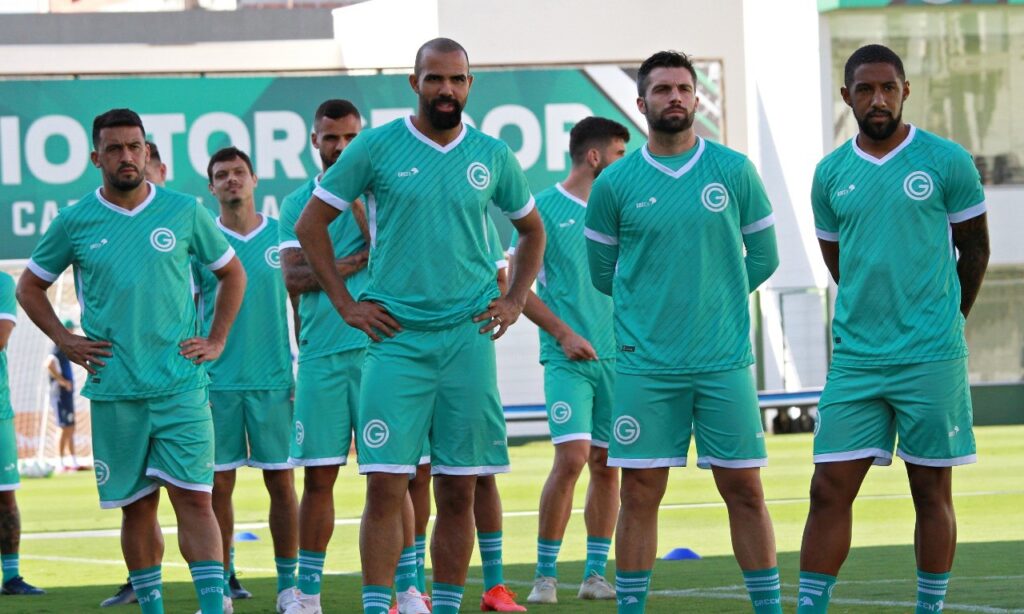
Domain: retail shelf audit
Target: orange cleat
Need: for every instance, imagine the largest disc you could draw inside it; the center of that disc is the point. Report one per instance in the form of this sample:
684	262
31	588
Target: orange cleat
500	599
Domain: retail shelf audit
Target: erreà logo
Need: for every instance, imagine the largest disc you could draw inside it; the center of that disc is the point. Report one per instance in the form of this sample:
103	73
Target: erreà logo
162	239
479	176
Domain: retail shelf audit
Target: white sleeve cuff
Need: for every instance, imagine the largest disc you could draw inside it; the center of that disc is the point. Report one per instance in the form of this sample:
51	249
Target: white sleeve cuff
41	273
511	250
501	264
599	237
759	225
223	261
289	245
824	235
9	316
332	200
968	213
521	213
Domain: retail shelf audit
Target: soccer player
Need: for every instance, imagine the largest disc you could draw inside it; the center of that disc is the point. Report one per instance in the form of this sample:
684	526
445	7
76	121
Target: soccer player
330	359
62	399
889	207
129	243
684	355
251	382
156	170
578	354
433	310
10	518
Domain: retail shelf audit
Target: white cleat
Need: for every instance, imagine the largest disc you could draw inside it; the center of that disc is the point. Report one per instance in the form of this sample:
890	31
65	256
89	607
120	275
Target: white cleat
285	599
412	602
304	604
596	587
229	606
545	590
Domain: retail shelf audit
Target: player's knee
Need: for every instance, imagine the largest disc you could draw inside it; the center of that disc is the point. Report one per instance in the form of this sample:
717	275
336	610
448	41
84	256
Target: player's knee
828	492
641	490
8	504
746	494
569	464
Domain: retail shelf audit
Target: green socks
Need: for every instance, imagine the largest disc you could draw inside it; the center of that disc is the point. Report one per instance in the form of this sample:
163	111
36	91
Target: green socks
311	569
815	591
447	598
405	573
547	557
10	566
765	590
631	590
376	599
597	556
148	588
490	556
421	563
931	591
285	572
208	578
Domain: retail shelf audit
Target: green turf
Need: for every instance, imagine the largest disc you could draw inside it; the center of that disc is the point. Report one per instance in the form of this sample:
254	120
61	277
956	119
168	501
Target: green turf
878	577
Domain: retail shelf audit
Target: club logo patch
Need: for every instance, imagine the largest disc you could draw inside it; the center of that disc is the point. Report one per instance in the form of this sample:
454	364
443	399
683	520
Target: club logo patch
300	432
918	185
626	430
714	197
561	412
376	433
162	239
479	176
273	257
102	472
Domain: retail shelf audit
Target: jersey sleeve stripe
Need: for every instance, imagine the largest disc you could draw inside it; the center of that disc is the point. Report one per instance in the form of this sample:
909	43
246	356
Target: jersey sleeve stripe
520	213
759	225
594	235
223	261
40	272
825	235
968	213
289	245
501	264
9	316
332	200
512	250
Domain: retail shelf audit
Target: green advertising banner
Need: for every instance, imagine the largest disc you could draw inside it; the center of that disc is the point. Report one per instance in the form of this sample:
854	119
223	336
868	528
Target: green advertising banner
45	128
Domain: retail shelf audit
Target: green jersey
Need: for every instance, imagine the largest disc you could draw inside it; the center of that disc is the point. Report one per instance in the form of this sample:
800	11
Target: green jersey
494	249
563	282
8	311
426	204
322	331
681	289
257	354
134	286
899	294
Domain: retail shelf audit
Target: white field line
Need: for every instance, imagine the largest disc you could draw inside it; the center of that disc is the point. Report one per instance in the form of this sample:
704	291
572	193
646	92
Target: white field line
338	522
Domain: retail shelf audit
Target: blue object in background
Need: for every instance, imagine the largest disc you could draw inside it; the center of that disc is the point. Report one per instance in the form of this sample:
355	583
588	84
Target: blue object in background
681	554
249	536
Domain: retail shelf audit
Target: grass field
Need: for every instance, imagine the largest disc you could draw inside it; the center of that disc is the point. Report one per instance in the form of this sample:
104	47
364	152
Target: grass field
70	546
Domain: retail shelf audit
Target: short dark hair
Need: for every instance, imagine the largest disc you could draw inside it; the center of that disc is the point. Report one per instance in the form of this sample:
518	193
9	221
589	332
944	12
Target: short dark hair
225	154
872	54
114	118
154	153
439	45
335	108
663	59
592	132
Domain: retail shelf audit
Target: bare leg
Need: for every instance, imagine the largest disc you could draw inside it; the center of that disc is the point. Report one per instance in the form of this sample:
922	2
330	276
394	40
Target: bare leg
381	531
284	513
556	498
141	540
452	544
316	511
602	495
935	530
636	535
826	541
199	536
753	538
223	488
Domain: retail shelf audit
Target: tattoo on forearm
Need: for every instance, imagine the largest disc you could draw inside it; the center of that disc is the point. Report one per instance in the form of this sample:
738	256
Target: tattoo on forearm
10	530
971	240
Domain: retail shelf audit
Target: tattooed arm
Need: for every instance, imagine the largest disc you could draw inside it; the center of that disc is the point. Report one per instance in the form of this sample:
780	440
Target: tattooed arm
971	240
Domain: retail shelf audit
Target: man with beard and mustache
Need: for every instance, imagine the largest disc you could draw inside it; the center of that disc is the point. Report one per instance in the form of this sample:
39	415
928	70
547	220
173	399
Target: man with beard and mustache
433	310
251	383
894	202
684	355
130	242
578	353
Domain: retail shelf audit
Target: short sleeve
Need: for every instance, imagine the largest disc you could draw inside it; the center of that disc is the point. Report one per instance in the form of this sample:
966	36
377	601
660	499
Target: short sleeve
347	178
826	225
755	208
291	209
513	242
602	223
496	252
8	304
512	194
53	253
209	245
965	198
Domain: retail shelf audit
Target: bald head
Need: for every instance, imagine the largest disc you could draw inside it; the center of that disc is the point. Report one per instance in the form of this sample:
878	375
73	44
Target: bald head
437	45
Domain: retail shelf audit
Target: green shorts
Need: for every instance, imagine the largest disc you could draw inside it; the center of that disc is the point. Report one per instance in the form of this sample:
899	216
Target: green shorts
252	427
928	405
138	444
9	478
326	397
437	384
655	415
579	400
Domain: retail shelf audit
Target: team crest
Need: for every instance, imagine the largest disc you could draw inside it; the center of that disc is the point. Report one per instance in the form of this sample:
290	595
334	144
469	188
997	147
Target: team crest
102	472
714	197
479	176
162	239
273	257
376	433
918	185
626	430
561	412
